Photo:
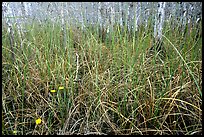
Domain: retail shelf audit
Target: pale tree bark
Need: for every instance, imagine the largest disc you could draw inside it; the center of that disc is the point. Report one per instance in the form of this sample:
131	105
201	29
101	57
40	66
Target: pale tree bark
148	14
159	20
107	13
82	16
184	21
63	25
20	26
99	16
85	15
136	15
112	16
10	30
124	16
128	16
120	14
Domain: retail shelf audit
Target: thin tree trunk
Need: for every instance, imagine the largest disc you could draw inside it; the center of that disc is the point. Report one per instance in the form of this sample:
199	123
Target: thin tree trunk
11	33
121	15
112	16
20	30
99	16
82	16
63	26
159	20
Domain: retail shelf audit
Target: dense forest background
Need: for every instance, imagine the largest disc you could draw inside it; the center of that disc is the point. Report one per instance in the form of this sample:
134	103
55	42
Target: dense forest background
105	14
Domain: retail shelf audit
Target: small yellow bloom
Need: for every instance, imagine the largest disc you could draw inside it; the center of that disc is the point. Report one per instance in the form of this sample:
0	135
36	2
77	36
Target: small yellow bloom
38	121
14	132
52	91
61	88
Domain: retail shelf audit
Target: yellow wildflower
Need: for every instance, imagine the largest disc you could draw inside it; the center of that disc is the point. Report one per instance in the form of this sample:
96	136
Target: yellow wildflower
52	91
61	88
38	121
14	132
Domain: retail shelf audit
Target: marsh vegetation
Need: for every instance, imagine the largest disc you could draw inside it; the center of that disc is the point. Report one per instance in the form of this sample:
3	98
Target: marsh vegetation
111	85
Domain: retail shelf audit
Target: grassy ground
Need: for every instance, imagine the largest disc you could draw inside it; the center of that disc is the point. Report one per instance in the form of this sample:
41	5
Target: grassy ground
114	86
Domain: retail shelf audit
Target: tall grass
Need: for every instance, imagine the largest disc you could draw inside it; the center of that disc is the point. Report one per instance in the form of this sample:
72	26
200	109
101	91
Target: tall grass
114	86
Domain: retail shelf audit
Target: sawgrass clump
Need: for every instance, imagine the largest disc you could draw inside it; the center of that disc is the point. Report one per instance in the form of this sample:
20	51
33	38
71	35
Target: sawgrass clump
112	84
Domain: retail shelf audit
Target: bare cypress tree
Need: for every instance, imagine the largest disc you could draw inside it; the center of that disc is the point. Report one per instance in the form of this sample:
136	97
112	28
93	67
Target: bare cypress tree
100	22
128	16
85	14
103	21
112	16
10	30
161	14
63	26
82	16
147	15
99	16
159	20
120	14
136	7
20	30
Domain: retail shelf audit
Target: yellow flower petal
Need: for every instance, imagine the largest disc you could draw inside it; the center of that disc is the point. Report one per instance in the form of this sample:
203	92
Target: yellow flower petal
61	87
52	91
15	132
38	121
